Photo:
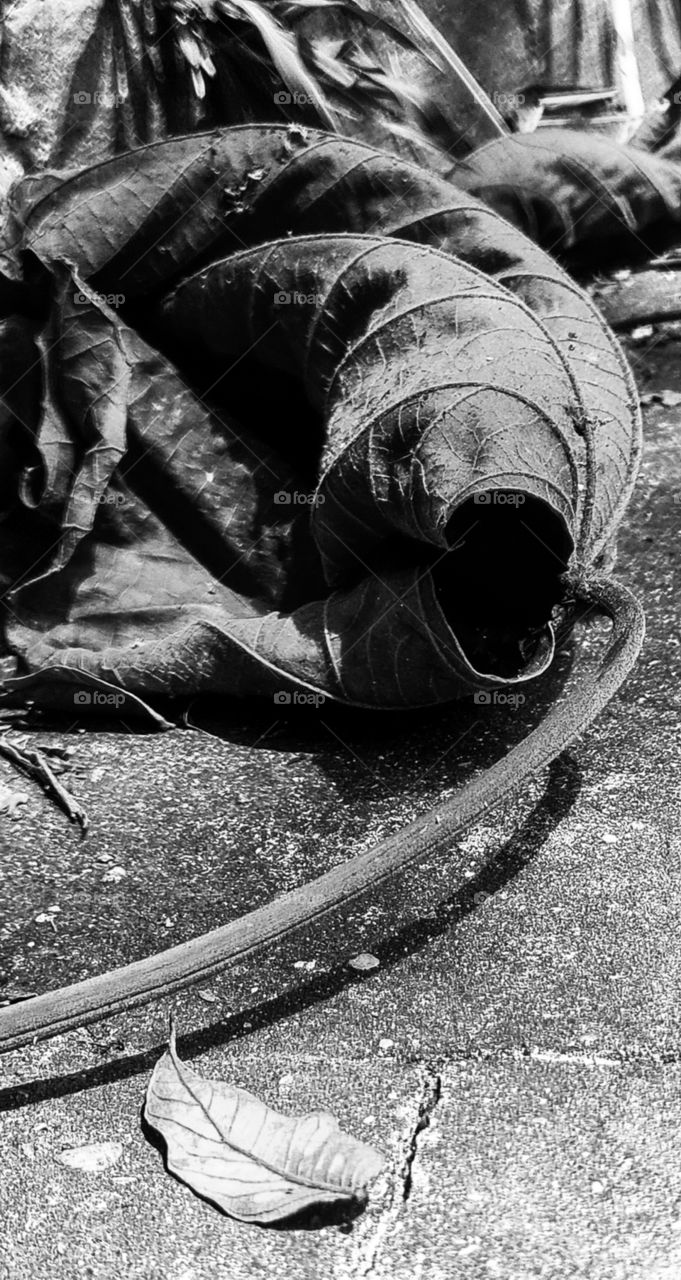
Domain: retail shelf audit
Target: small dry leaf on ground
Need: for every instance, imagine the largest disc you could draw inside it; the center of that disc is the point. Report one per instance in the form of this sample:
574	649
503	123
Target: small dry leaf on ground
252	1162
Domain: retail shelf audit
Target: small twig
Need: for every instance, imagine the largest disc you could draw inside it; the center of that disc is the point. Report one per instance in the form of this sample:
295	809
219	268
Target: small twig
71	806
35	764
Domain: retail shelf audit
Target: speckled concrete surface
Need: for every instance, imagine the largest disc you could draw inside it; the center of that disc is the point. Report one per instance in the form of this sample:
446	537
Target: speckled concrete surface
536	975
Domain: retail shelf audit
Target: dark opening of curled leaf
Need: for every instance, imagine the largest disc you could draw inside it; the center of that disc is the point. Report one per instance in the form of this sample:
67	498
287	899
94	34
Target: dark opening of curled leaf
253	1163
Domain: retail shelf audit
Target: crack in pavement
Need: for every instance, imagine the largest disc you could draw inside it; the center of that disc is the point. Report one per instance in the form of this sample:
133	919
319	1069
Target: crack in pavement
432	1092
371	1235
392	1194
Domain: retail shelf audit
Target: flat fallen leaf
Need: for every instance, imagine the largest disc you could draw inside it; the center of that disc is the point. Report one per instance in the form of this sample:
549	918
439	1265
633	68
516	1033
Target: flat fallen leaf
95	1157
250	1161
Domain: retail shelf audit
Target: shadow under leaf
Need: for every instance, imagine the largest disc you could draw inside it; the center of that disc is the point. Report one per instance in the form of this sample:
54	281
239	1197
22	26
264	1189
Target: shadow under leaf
562	790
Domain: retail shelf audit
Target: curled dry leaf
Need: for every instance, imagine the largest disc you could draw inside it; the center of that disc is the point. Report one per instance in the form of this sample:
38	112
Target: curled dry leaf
367	558
576	192
253	1163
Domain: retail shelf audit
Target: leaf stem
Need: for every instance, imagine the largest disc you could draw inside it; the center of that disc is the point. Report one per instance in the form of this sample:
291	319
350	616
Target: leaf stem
136	984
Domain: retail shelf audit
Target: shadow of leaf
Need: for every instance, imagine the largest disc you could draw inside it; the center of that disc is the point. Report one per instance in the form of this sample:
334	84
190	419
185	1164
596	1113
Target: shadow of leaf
563	787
